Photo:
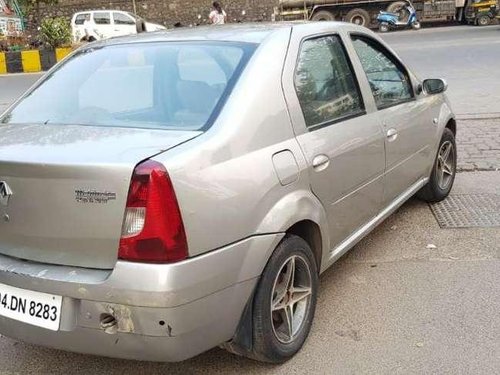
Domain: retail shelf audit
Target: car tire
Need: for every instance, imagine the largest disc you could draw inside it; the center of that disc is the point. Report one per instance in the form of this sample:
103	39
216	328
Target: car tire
441	182
323	15
358	16
273	341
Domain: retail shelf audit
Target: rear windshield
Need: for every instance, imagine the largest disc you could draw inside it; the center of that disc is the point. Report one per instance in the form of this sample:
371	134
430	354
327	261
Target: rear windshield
170	85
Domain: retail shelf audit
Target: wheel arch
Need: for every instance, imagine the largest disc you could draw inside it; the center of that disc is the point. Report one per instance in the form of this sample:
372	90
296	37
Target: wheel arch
310	232
452	125
446	120
302	214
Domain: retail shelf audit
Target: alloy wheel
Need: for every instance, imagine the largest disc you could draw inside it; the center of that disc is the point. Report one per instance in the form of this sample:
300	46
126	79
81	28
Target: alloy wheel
446	165
291	298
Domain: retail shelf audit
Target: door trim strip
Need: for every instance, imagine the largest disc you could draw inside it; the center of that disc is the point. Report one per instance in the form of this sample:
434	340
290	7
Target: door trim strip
354	238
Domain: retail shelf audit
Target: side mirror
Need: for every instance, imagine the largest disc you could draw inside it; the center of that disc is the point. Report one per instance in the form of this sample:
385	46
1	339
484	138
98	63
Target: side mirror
434	86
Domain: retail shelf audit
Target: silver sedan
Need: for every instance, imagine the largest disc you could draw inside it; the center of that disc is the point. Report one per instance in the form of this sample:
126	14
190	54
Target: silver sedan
166	193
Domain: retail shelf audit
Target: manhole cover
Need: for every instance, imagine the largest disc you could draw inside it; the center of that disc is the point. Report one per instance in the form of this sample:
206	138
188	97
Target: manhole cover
468	210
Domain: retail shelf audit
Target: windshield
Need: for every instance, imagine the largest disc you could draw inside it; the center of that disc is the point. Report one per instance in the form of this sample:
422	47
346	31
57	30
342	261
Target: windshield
170	85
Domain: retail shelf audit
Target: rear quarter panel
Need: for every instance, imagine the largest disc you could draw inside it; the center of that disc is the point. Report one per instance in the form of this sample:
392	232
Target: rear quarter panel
225	181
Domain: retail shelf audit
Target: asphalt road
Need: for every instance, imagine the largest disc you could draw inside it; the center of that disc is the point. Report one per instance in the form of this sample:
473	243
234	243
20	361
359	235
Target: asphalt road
393	305
467	57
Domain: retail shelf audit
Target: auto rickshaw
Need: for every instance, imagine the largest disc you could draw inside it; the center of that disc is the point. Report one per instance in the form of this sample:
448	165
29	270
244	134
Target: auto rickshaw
482	12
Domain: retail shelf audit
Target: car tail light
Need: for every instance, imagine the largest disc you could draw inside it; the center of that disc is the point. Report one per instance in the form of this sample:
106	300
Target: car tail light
152	231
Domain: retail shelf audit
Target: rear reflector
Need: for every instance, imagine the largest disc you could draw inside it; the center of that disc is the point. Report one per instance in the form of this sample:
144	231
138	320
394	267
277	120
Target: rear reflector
152	231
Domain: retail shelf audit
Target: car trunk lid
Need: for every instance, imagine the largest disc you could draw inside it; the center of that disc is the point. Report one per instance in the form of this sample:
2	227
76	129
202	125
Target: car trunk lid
63	189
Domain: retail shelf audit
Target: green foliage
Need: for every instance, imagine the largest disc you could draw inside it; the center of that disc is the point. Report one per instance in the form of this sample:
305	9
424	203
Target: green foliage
56	32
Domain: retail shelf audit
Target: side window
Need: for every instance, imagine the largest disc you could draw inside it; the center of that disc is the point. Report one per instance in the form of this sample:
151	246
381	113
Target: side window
102	18
122	19
325	82
80	19
388	79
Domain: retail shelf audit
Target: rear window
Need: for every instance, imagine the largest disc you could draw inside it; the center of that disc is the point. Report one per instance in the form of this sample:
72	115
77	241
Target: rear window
155	85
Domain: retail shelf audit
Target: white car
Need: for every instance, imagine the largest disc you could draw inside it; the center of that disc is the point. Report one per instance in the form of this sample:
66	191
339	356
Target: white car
103	24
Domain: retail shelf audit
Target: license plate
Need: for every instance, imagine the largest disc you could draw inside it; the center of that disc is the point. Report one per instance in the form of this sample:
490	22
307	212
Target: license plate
38	309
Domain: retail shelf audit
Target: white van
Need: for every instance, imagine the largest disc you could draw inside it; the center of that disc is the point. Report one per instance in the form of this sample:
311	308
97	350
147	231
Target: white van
105	24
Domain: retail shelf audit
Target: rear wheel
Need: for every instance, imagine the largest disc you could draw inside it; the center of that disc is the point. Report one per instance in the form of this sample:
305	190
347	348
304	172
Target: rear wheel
416	25
323	15
358	16
443	172
285	301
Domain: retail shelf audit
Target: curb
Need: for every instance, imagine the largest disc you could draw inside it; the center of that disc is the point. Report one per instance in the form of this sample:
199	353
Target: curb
31	61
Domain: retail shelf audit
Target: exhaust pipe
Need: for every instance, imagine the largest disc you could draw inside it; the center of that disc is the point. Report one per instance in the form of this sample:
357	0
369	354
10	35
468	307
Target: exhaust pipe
109	324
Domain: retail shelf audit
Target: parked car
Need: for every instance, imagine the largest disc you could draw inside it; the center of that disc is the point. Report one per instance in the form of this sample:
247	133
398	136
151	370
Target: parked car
104	24
166	193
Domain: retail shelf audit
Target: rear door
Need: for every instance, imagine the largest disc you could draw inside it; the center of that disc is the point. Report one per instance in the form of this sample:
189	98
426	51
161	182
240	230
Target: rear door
103	27
407	122
123	24
337	129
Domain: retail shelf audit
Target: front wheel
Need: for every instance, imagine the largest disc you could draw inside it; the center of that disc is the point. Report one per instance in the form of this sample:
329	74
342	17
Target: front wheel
444	170
383	28
285	301
416	25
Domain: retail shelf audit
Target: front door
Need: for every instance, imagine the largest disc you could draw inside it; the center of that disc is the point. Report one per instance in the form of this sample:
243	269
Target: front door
339	134
407	122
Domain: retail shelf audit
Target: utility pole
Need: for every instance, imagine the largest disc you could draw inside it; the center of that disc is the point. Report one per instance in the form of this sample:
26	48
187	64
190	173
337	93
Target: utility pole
135	6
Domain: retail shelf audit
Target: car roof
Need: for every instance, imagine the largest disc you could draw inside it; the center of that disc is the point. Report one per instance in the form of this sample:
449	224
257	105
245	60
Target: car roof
244	33
102	10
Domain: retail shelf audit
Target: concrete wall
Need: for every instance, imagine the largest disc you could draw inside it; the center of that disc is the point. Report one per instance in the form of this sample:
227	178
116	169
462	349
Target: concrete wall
169	12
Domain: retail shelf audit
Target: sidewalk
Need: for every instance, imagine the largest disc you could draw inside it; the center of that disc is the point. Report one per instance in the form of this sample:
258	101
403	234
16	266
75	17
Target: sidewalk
478	144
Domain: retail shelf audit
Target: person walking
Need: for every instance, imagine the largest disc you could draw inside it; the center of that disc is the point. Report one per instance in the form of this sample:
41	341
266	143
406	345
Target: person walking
217	15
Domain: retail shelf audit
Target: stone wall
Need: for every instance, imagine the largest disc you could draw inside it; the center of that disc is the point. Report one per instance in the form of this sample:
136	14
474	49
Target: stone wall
170	12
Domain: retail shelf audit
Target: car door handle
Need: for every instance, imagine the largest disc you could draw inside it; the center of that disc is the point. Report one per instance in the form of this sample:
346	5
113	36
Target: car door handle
392	135
320	162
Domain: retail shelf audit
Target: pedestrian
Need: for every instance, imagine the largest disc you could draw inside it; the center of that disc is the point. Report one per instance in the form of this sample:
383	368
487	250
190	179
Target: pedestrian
218	15
87	28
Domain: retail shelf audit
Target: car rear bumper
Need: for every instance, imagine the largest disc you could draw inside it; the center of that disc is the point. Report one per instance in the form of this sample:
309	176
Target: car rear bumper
163	312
